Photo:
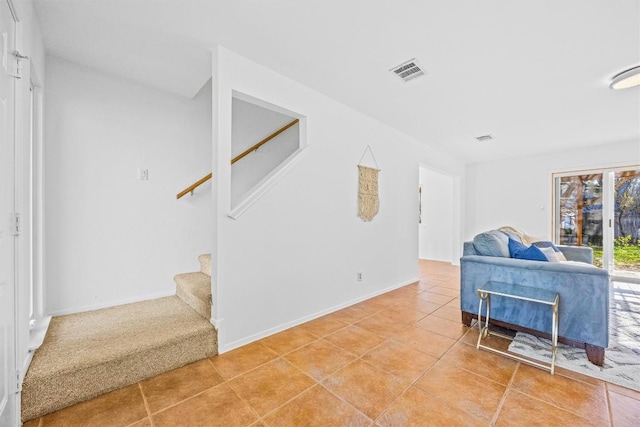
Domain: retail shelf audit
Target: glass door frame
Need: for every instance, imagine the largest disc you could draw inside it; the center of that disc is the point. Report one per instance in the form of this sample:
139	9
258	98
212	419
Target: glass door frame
608	206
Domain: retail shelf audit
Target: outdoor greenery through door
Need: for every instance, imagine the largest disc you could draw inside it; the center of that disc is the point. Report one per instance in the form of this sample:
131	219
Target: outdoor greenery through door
601	209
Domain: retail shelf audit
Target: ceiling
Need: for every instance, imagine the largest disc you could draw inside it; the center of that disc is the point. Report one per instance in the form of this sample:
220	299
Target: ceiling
532	73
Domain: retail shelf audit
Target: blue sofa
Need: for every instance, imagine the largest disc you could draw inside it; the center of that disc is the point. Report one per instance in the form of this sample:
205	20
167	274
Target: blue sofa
583	290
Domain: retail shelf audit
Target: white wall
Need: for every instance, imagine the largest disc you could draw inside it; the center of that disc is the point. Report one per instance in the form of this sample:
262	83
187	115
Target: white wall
436	230
111	238
518	191
251	124
295	253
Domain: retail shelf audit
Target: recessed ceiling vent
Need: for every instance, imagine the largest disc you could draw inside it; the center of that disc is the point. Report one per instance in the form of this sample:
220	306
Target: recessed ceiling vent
409	70
482	138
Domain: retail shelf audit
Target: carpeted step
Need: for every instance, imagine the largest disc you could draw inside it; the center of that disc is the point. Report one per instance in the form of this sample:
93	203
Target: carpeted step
205	264
195	290
88	354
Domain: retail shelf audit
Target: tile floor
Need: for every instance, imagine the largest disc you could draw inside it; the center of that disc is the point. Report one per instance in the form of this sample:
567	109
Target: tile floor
400	359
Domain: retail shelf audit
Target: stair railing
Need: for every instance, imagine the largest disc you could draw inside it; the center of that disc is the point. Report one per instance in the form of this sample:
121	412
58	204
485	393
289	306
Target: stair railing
245	153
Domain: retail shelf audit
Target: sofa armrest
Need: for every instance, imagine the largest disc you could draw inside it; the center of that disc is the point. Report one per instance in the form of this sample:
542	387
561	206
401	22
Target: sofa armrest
577	253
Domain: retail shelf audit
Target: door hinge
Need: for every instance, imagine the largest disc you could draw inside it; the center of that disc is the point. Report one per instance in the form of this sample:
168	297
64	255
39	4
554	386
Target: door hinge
18	382
18	64
16	224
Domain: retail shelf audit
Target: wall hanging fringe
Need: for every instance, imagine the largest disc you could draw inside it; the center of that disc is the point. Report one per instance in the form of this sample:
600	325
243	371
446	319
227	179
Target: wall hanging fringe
368	200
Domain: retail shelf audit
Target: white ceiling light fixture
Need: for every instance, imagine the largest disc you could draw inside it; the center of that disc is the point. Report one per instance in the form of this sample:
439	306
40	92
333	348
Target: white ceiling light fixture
626	79
408	70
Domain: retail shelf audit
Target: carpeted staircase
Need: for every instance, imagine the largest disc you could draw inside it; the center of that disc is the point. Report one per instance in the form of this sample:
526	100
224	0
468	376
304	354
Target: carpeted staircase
88	354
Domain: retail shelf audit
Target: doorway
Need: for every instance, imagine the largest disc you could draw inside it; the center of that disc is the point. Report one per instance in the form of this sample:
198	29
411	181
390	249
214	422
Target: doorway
601	209
437	216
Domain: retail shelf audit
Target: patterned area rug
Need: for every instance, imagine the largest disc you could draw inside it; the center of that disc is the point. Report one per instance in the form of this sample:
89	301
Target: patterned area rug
622	358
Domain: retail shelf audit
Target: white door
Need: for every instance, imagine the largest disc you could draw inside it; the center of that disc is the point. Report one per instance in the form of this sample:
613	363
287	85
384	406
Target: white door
8	381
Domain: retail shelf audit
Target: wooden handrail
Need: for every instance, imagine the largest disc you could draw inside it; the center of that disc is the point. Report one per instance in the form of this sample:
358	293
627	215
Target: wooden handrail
195	185
201	181
264	141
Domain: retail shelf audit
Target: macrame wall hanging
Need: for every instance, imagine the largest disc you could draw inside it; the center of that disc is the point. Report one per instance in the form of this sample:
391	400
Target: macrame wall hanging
368	201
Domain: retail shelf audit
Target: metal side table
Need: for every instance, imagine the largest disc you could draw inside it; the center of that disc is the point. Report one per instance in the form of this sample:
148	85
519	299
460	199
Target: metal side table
523	293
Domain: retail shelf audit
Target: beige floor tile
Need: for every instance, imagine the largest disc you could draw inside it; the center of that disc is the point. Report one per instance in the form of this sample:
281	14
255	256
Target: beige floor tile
446	291
289	340
402	315
269	386
355	340
455	303
320	358
623	390
366	387
450	313
317	407
171	387
355	313
489	365
324	326
243	359
382	325
447	328
586	400
118	408
577	376
625	410
217	407
399	359
425	341
142	423
493	341
480	398
434	298
520	409
417	408
419	305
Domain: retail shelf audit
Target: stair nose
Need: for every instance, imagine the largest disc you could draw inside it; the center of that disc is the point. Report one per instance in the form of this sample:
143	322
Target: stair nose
195	290
205	264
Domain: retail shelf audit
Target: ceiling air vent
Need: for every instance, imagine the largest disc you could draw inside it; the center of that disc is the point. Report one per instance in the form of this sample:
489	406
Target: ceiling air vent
485	138
408	70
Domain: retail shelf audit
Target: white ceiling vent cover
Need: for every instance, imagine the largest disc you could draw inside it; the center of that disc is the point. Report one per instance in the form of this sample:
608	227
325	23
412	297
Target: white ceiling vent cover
485	138
409	70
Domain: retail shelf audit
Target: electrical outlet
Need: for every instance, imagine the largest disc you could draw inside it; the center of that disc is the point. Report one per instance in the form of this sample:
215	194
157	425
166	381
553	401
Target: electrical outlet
359	277
143	174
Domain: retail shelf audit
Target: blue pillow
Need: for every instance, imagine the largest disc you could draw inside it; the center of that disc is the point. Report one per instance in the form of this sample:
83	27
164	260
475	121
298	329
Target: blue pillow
519	251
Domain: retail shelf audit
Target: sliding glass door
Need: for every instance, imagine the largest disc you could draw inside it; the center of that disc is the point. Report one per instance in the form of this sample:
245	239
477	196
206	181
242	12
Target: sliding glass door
626	222
601	209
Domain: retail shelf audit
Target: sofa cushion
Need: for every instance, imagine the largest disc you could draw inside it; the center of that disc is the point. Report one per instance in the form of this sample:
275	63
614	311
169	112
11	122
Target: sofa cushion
519	251
545	244
550	250
492	243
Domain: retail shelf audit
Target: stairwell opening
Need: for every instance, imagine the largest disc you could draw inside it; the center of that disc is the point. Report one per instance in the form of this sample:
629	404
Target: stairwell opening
254	121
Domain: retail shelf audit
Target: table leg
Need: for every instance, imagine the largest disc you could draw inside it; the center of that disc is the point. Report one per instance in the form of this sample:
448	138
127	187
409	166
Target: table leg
483	332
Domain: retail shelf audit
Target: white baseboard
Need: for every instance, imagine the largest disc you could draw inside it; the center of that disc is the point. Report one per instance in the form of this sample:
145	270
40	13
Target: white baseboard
36	335
110	304
223	348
